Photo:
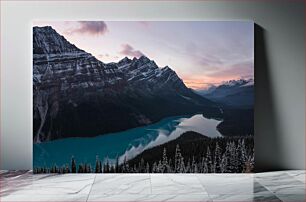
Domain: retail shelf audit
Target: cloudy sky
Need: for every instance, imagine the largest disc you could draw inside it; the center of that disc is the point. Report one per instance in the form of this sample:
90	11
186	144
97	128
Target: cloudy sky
201	52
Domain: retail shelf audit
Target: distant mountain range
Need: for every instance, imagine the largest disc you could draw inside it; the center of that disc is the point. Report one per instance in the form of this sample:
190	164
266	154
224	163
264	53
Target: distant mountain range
76	95
235	93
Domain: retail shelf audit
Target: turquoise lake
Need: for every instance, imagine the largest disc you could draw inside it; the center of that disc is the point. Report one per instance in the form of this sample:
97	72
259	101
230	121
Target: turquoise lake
127	143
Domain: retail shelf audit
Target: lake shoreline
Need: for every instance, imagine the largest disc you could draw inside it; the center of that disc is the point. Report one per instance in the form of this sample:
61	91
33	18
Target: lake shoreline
126	143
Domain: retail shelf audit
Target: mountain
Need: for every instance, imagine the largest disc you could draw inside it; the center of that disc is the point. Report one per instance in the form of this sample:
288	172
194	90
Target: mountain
236	93
76	95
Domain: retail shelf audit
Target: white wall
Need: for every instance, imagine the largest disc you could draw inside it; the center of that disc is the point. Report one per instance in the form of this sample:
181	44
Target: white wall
279	69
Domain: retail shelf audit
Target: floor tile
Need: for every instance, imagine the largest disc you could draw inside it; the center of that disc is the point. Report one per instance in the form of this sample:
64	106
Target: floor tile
43	198
265	198
149	198
298	175
245	198
112	184
14	181
282	184
272	175
286	186
52	184
259	189
235	184
292	197
176	184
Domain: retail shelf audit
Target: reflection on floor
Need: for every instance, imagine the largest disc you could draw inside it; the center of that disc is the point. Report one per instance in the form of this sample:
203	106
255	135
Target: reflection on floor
272	186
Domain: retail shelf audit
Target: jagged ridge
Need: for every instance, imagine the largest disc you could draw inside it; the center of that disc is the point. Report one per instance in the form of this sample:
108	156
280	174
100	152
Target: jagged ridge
76	95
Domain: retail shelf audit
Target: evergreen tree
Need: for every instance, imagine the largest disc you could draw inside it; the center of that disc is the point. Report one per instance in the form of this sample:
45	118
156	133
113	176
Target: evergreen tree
177	158
243	157
147	168
233	157
112	169
67	170
124	165
73	165
188	166
154	167
223	165
81	170
98	168
141	167
179	166
165	165
89	169
182	167
135	170
194	167
159	167
170	167
202	165
117	164
106	167
209	160
217	159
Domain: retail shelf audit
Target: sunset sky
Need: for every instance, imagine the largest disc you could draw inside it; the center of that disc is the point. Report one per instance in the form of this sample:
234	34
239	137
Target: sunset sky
201	52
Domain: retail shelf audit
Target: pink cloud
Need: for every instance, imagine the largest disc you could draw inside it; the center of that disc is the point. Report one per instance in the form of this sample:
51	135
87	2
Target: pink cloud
90	27
128	50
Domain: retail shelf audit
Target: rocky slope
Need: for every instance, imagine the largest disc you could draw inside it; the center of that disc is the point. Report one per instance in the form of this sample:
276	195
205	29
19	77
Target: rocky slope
76	95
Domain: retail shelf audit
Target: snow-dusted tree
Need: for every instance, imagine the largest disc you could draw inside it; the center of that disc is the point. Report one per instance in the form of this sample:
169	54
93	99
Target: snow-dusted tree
170	167
141	166
182	167
177	158
233	157
188	166
249	164
238	153
204	168
178	161
243	151
154	167
194	166
209	160
217	158
147	168
243	156
223	164
165	165
159	167
135	170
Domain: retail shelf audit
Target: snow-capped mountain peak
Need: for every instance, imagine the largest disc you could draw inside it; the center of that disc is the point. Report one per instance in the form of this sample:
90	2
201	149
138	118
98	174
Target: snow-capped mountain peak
233	92
48	41
232	83
69	82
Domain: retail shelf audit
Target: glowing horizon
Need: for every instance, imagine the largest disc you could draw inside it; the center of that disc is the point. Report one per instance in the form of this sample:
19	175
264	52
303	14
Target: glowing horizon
202	53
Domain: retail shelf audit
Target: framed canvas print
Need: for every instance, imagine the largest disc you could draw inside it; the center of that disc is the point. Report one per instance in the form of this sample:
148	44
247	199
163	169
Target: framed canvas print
143	96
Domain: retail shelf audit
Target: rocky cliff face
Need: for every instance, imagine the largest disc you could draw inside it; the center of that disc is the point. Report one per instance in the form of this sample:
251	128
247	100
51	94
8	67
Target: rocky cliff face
76	95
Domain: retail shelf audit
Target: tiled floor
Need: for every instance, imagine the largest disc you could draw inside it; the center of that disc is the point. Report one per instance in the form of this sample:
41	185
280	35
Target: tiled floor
273	186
